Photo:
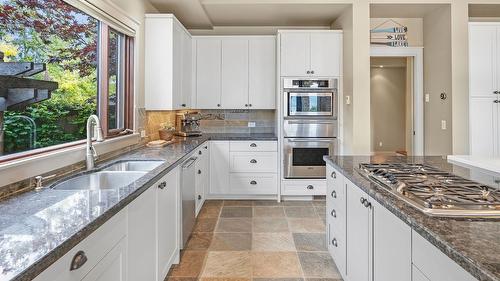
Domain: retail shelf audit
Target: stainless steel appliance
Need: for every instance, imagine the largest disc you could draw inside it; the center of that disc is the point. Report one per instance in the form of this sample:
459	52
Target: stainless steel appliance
188	175
435	192
310	97
309	126
188	124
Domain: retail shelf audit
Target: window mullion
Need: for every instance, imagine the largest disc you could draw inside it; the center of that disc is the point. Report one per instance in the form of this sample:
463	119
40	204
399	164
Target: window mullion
103	94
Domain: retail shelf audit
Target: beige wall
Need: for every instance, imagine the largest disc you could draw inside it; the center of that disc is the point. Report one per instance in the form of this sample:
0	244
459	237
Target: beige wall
388	108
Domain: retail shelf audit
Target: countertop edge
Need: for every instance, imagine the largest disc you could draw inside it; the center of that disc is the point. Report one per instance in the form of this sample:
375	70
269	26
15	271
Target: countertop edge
466	263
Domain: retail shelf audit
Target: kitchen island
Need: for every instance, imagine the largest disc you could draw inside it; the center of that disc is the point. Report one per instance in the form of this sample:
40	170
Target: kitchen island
471	243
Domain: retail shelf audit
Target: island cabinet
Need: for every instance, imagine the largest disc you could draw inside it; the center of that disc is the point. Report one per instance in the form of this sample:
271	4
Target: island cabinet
240	169
366	241
202	181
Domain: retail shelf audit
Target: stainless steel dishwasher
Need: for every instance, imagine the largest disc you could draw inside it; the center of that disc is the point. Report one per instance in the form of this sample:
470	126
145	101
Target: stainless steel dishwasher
188	175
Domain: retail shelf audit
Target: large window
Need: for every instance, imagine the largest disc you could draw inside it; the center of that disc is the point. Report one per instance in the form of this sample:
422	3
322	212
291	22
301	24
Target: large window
91	62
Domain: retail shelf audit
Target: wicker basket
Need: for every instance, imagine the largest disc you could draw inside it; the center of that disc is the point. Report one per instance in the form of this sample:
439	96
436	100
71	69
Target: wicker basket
166	135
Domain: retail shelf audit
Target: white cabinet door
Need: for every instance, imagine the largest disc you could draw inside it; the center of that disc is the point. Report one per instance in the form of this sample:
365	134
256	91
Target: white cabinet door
262	73
202	176
295	54
177	66
219	167
167	222
483	60
326	53
142	236
234	73
483	126
187	71
358	234
418	275
208	73
113	267
391	246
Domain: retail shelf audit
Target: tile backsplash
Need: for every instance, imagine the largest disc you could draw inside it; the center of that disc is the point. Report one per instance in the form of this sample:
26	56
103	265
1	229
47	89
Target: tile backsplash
218	121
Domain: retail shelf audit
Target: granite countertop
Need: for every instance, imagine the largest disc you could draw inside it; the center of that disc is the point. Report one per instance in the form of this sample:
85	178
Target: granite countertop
39	227
472	243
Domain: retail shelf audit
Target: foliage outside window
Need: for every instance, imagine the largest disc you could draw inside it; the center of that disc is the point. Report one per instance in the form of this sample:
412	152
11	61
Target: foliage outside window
69	42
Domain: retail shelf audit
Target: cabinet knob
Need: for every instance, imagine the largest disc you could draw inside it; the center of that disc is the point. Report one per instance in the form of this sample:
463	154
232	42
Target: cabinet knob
78	260
334	194
334	175
312	71
246	105
162	185
183	105
496	92
199	152
199	197
334	242
367	204
496	101
308	72
206	147
253	161
199	172
333	213
253	182
253	145
362	200
250	104
310	187
218	105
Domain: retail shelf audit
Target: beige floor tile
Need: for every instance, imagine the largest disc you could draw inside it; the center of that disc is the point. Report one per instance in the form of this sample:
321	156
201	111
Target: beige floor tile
268	203
228	264
310	241
268	212
270	225
190	265
209	212
236	212
205	225
234	225
225	279
273	242
278	279
199	241
275	265
298	203
168	278
239	203
306	225
231	242
320	211
213	203
318	264
300	212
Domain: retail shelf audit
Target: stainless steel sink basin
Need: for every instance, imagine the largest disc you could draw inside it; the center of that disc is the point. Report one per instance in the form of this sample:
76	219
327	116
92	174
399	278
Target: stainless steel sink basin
100	180
134	165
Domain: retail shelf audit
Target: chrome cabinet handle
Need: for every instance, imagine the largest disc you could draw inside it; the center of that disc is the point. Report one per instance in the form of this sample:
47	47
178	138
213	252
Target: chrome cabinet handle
310	187
253	161
334	242
205	147
162	185
362	200
218	105
308	72
334	175
199	172
199	197
78	260
334	194
183	105
312	71
333	213
253	145
496	101
367	204
253	182
200	153
496	92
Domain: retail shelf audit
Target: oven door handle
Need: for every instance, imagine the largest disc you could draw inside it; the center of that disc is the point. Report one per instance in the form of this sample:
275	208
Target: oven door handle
310	140
309	122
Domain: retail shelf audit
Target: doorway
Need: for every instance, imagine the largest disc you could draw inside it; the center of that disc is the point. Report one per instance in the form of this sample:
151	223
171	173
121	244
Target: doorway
396	83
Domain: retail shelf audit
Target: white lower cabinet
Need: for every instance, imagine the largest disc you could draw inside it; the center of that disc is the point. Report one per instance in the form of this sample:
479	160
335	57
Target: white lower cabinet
168	222
418	275
202	167
243	168
113	267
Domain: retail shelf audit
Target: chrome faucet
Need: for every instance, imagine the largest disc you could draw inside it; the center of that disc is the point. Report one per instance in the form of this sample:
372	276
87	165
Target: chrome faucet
91	154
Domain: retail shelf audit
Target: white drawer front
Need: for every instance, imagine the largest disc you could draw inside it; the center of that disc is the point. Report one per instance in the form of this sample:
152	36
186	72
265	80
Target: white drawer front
250	162
253	146
306	187
95	247
254	184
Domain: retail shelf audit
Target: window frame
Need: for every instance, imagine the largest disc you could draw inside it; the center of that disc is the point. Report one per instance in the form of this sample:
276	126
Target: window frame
102	93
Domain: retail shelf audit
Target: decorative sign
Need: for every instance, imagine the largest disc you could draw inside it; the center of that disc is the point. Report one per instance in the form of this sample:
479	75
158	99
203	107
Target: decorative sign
389	33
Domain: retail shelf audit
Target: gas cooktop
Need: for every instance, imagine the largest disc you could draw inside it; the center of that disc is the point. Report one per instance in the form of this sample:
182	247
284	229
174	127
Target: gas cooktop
435	192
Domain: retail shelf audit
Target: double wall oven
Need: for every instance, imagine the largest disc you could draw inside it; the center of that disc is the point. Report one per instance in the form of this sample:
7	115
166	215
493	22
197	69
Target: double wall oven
310	126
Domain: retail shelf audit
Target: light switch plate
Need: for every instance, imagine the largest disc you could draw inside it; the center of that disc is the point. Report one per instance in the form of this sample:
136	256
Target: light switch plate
143	133
443	124
427	98
348	100
251	124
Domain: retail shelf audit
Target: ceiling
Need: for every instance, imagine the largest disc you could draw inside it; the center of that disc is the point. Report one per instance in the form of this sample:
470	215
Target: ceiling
208	14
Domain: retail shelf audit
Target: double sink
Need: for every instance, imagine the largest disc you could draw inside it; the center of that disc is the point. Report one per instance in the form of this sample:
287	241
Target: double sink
119	174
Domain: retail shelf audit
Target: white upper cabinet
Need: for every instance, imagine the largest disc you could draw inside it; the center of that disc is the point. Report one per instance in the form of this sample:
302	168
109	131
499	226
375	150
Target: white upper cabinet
311	53
483	64
235	73
208	72
167	63
262	72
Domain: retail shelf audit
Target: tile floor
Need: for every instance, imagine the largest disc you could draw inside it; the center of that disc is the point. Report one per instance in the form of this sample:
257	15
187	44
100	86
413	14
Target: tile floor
257	240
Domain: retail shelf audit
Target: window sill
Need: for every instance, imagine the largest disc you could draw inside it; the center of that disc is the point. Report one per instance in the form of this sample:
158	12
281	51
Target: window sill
23	168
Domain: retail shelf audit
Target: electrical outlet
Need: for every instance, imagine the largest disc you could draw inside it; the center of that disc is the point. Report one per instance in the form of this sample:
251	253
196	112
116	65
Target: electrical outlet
251	124
427	97
143	133
348	100
443	124
380	144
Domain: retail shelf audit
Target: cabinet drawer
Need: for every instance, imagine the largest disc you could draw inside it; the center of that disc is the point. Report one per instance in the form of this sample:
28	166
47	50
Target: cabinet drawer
254	183
253	146
337	248
249	162
304	187
95	247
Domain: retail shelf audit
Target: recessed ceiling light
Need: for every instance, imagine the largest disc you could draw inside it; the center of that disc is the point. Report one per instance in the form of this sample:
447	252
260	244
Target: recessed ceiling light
381	66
